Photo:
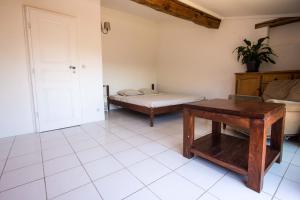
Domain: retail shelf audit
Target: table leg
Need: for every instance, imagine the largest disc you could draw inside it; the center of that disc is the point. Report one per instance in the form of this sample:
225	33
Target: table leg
151	117
224	126
188	133
277	137
257	154
216	130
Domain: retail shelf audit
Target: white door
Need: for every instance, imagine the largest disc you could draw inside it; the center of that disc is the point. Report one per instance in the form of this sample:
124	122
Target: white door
55	72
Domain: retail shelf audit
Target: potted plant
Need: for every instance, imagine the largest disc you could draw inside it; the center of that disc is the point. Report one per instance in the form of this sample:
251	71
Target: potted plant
254	54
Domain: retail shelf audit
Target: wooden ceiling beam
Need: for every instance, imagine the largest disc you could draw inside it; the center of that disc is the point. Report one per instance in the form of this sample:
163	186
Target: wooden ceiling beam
278	22
182	10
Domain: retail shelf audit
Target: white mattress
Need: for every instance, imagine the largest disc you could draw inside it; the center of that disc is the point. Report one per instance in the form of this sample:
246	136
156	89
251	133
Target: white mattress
157	100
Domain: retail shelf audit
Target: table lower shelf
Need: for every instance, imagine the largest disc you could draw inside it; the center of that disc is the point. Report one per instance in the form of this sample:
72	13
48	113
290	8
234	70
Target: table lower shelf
229	152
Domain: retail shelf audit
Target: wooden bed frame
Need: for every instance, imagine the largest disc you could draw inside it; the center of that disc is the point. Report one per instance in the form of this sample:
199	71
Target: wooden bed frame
151	112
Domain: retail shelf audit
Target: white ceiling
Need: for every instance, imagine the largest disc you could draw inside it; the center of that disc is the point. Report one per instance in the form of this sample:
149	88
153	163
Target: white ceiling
234	8
219	8
134	8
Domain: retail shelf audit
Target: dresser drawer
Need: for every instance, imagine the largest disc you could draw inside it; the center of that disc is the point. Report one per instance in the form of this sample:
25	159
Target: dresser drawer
296	76
254	84
248	84
273	77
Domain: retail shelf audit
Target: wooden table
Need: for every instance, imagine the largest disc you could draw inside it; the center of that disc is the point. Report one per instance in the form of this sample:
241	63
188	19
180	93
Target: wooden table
251	157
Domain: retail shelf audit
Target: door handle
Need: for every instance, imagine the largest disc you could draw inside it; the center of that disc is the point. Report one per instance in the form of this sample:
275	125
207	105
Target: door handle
72	67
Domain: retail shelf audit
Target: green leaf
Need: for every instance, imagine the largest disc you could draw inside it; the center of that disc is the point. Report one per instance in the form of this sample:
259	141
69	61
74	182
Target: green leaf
247	42
261	40
271	60
259	52
267	48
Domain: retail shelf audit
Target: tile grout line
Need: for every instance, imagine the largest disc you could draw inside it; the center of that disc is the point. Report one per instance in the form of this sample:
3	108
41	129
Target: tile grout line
25	154
152	156
17	169
126	168
72	190
183	165
121	139
37	164
7	157
138	133
21	185
28	165
171	170
145	186
110	154
109	175
289	164
282	178
62	157
62	171
83	166
207	191
134	147
44	178
174	171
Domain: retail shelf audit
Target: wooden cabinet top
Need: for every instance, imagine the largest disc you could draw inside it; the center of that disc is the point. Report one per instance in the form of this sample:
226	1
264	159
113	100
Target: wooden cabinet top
270	72
249	109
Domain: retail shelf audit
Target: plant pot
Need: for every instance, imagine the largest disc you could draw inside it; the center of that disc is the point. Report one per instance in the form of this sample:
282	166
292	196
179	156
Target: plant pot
252	66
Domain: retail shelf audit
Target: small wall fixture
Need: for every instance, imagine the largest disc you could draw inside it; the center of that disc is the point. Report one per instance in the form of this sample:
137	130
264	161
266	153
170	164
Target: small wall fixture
105	27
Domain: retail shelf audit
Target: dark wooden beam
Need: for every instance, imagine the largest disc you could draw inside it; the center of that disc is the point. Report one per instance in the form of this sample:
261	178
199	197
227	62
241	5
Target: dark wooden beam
182	10
278	22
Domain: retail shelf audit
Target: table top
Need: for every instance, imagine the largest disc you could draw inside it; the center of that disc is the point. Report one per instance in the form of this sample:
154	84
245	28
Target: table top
249	109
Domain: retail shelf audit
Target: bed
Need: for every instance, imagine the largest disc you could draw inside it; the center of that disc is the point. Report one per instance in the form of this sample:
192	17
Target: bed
151	104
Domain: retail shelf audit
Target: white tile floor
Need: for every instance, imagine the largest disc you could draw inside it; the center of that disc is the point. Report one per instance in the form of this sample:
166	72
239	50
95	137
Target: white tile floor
123	158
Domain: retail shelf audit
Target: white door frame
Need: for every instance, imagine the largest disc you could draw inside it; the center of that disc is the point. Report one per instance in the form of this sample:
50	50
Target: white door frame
27	27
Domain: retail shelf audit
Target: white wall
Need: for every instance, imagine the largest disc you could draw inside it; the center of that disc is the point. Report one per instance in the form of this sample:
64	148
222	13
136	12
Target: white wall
197	60
16	115
129	51
191	59
285	41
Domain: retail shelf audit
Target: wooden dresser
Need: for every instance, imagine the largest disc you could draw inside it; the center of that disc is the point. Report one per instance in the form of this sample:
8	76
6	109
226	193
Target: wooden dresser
254	83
